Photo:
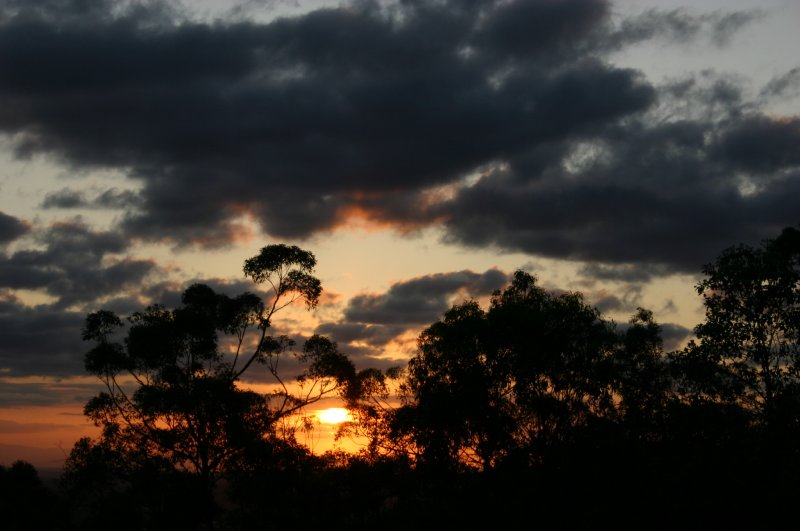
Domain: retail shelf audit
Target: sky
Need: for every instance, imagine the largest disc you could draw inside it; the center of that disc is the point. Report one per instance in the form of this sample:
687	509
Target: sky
422	150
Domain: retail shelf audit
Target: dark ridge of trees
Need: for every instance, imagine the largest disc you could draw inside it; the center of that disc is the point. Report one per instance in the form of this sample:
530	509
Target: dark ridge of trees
25	502
534	412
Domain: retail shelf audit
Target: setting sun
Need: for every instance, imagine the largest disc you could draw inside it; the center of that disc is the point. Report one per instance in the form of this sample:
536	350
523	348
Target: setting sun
334	415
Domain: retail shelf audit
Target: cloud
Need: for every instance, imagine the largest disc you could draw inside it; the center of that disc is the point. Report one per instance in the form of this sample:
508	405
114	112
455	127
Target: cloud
75	265
10	426
785	85
112	199
760	144
674	335
45	340
11	228
626	300
371	334
663	191
373	322
292	115
681	26
40	341
639	273
421	300
390	112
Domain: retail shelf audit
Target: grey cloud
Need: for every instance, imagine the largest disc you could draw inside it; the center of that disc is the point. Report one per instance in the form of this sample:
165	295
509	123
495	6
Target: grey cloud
42	341
674	335
74	264
364	344
725	25
681	26
11	228
525	29
65	198
112	199
372	107
666	191
372	321
761	144
627	300
623	272
295	112
376	335
785	85
682	230
609	303
87	14
421	300
16	394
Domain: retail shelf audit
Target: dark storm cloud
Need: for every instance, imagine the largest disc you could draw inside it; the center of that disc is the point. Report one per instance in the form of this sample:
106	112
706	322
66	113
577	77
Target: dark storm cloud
75	264
11	228
544	30
295	120
386	110
668	190
761	145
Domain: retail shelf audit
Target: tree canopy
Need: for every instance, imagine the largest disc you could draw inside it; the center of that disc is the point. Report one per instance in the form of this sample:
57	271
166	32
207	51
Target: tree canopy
749	344
172	386
535	397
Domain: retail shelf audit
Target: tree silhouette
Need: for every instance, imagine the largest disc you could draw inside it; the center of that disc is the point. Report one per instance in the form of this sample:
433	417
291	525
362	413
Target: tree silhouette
529	375
748	349
536	399
172	386
25	501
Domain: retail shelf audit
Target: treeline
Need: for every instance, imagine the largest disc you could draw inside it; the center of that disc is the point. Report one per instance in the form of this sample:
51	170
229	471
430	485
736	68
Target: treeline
534	411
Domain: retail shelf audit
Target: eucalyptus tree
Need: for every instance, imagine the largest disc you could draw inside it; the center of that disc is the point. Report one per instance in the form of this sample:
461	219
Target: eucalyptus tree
748	349
173	384
509	382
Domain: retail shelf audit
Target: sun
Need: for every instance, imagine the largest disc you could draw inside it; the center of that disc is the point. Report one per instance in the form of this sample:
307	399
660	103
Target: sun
334	415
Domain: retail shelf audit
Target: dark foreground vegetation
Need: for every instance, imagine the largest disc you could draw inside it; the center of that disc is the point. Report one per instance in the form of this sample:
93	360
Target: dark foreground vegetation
534	412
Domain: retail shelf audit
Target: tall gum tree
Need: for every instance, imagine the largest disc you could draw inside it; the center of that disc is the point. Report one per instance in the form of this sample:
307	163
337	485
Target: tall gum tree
171	388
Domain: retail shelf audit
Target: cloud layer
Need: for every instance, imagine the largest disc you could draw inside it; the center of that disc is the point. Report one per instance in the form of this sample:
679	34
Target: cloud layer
503	122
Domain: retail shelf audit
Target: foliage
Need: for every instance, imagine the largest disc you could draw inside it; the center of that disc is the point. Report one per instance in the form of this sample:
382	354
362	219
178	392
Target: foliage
748	349
528	375
25	501
534	405
172	386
